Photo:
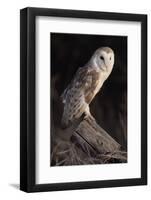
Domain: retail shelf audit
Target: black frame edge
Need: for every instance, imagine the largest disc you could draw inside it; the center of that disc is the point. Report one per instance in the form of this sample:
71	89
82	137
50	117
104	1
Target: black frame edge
144	99
27	100
87	14
23	100
87	185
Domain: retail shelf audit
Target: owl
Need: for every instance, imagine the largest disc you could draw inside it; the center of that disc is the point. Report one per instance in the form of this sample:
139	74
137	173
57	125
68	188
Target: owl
86	83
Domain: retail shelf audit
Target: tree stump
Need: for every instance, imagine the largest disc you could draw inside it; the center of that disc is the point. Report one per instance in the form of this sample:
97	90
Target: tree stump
94	140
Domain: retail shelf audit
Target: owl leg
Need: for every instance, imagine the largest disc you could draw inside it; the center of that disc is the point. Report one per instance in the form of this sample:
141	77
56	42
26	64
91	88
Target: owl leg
87	111
88	114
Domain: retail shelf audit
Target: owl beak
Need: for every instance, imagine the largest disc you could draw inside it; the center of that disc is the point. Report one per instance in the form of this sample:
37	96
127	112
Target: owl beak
104	68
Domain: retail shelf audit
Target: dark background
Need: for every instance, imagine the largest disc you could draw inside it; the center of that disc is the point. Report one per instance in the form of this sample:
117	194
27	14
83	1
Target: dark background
109	107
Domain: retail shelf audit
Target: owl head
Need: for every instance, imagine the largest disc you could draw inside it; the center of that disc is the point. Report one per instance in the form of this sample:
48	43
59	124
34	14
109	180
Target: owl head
103	58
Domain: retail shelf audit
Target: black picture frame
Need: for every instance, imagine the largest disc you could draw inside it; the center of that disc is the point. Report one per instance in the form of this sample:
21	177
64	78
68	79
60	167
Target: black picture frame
28	98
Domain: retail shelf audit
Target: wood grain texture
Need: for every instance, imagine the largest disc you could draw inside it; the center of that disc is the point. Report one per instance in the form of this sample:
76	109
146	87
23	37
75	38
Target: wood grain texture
97	136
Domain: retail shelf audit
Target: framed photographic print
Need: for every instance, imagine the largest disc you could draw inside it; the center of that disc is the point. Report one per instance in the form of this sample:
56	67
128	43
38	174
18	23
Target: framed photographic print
83	99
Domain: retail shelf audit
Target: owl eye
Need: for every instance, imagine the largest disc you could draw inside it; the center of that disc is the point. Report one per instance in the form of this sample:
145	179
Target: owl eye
101	57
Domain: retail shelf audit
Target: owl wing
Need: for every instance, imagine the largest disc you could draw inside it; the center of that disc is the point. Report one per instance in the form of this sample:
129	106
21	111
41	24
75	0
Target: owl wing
74	96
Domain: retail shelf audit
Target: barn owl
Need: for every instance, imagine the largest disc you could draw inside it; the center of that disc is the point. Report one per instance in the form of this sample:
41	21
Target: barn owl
86	83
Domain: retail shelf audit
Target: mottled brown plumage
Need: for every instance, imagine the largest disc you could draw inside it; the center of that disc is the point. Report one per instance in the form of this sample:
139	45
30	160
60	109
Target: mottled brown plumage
86	84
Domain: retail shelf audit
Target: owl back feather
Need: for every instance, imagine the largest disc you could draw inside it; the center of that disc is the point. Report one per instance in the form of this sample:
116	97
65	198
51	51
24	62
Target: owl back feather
73	98
79	93
74	107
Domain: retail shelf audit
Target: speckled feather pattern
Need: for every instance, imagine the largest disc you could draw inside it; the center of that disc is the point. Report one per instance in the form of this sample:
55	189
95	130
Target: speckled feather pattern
80	92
